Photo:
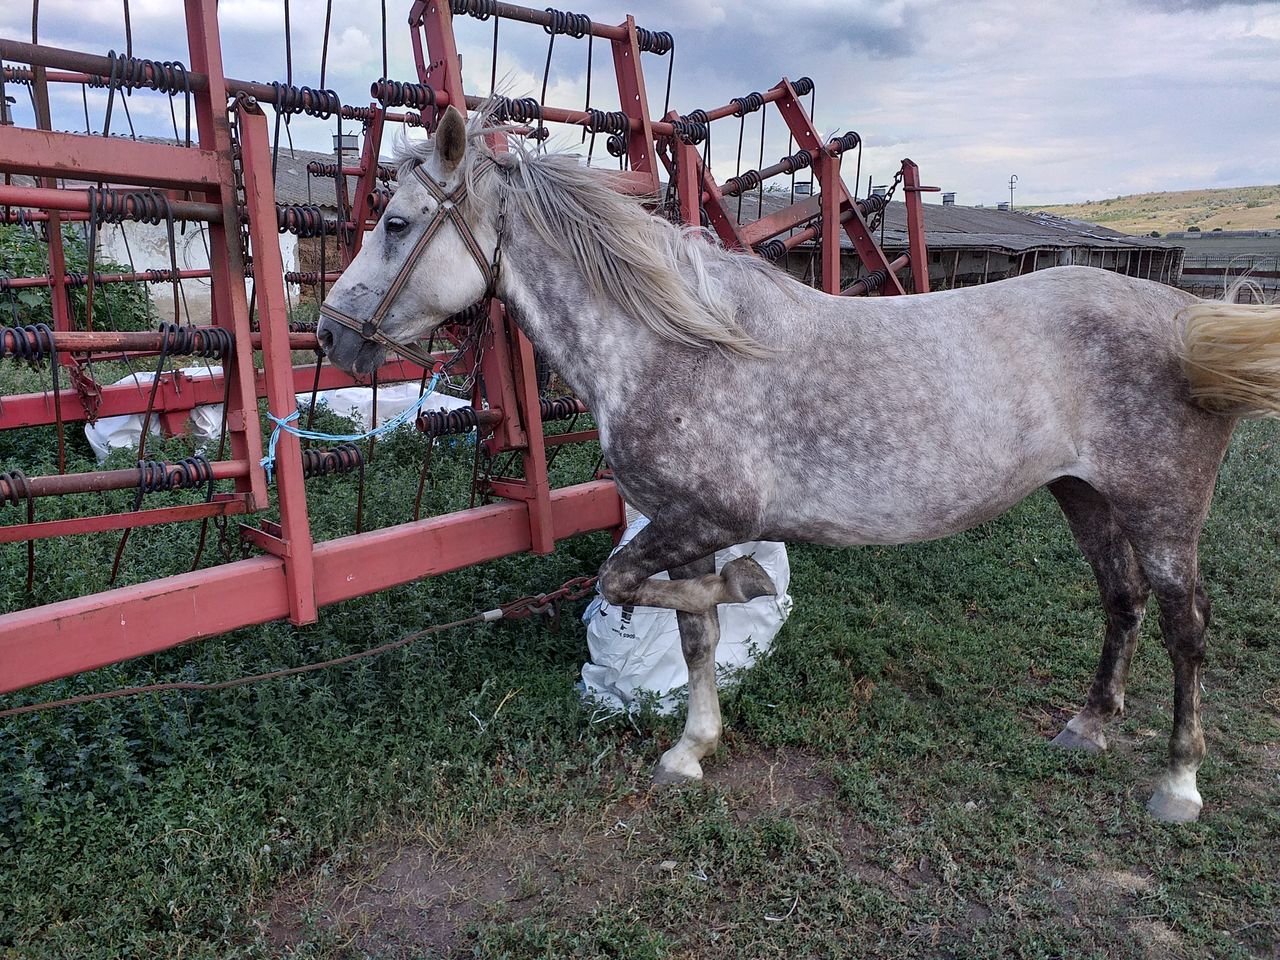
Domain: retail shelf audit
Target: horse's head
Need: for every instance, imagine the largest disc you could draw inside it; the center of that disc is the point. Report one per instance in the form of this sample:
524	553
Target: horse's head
431	255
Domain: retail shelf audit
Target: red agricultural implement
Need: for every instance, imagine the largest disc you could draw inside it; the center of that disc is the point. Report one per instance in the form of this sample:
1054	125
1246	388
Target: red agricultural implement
220	174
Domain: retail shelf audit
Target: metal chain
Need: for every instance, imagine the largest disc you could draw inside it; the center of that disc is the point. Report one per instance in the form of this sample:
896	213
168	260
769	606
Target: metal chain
874	223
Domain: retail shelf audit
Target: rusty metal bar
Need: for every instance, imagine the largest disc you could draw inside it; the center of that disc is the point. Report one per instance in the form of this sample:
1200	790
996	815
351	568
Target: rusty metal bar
82	279
38	54
142	341
97	481
78	200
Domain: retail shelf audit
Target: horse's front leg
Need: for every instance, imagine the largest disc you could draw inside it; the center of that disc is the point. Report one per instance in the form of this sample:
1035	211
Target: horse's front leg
699	634
685	545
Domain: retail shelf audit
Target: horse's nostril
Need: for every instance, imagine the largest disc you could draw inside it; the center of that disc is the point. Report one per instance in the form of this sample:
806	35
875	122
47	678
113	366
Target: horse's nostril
325	336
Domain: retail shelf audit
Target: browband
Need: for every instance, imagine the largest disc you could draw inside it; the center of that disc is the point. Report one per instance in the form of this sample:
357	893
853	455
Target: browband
448	210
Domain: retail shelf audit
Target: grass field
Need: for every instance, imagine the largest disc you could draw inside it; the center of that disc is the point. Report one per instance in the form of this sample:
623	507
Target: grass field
1236	208
885	789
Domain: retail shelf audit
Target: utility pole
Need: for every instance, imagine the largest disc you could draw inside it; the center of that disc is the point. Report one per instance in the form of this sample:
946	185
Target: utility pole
1012	180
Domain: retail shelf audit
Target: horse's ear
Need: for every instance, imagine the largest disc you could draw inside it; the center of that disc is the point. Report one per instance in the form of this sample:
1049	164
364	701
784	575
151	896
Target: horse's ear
451	139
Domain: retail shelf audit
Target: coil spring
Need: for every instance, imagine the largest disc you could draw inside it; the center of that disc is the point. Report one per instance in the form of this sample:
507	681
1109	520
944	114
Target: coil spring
749	104
32	343
480	9
875	279
20	75
559	408
378	199
129	73
155	476
14	487
302	276
797	161
395	93
742	183
302	326
469	315
321	104
365	115
659	42
772	250
601	121
576	25
305	220
116	206
872	204
343	458
160	276
847	141
521	110
693	127
802	86
318	168
447	423
210	343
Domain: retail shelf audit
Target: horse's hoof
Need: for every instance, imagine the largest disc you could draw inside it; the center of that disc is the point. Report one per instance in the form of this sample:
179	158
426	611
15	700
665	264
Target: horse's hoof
1169	807
672	779
745	580
1075	737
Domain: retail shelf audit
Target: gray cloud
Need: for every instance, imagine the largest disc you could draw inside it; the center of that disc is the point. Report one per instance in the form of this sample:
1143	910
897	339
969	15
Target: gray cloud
1081	100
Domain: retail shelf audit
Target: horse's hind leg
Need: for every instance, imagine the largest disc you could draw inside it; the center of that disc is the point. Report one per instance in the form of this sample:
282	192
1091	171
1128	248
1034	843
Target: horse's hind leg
1165	536
1124	593
1171	567
699	634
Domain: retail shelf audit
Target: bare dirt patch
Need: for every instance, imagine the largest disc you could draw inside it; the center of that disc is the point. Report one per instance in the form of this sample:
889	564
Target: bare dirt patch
404	897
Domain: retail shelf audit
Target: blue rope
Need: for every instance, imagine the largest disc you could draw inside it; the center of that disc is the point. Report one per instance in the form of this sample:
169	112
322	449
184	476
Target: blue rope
286	424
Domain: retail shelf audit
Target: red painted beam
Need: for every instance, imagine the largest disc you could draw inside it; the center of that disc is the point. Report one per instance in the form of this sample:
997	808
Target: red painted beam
77	157
64	638
177	391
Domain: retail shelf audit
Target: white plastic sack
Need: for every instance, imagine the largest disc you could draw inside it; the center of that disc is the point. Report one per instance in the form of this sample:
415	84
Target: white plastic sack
635	651
123	432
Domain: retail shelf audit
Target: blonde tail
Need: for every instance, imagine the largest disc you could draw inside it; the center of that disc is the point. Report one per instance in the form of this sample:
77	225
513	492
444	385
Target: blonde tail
1231	356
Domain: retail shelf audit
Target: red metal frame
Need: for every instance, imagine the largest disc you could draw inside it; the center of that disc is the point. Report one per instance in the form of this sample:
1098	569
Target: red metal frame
295	577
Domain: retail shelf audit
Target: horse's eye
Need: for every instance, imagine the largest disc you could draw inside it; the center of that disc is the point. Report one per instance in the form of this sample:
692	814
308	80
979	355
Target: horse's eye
397	224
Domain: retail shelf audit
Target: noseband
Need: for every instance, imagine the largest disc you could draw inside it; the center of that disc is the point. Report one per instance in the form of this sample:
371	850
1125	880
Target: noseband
448	210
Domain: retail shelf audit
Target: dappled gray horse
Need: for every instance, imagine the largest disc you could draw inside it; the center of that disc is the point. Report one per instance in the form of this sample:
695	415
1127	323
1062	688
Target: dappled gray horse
736	404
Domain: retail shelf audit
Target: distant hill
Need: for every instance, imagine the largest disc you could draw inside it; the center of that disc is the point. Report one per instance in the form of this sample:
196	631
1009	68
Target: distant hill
1235	208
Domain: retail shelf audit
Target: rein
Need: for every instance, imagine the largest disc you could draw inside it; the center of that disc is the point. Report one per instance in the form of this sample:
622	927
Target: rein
448	210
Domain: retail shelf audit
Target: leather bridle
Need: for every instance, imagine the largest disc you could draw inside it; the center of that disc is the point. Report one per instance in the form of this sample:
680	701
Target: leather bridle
448	210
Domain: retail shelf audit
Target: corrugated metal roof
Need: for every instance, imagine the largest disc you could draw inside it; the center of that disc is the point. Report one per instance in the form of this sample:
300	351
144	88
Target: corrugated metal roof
955	227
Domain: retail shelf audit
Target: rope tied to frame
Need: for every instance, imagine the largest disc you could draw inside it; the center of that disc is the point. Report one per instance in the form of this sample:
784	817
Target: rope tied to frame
288	425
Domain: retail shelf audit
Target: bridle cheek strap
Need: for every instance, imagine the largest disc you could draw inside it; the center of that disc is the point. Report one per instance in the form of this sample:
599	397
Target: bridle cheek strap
448	210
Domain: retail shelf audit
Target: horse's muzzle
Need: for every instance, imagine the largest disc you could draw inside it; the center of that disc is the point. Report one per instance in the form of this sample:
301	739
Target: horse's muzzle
347	350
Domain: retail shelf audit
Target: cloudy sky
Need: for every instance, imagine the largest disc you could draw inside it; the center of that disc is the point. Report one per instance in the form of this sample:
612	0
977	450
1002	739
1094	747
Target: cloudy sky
1081	99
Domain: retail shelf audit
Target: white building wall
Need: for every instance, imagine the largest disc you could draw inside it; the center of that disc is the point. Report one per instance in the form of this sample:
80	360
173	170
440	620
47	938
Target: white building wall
147	247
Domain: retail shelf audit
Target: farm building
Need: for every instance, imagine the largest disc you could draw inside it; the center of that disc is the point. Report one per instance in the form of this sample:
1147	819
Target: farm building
972	245
1212	258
